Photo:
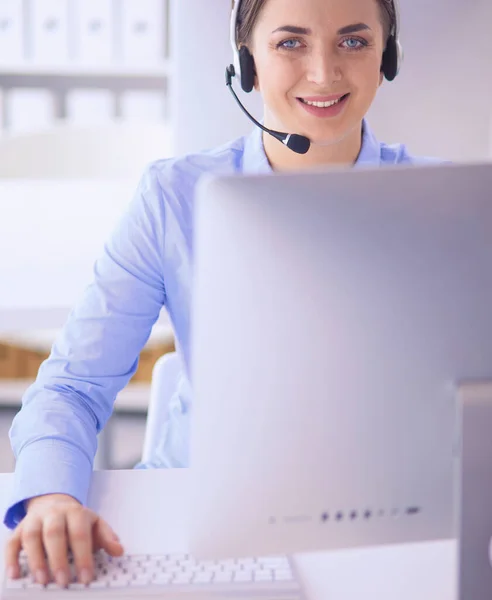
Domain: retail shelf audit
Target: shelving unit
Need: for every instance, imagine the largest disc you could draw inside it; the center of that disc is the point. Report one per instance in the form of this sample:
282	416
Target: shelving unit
25	72
71	70
39	76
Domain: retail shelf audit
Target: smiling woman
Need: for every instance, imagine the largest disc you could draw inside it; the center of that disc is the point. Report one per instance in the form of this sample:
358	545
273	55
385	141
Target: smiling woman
318	65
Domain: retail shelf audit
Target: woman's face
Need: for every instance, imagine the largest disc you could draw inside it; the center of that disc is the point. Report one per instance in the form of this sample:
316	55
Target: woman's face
318	51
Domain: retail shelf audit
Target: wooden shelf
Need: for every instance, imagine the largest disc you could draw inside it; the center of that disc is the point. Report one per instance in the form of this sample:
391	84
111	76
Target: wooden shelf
134	398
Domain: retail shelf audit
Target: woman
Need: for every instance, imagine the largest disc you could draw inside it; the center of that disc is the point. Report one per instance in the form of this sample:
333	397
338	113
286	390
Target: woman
318	65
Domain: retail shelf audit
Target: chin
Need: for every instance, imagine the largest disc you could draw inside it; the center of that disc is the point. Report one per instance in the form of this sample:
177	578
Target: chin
327	135
331	132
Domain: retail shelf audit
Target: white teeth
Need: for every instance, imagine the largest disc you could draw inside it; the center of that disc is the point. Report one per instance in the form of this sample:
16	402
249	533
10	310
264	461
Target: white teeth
322	104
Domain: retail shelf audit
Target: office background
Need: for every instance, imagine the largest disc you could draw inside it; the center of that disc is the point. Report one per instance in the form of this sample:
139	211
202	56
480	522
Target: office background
127	81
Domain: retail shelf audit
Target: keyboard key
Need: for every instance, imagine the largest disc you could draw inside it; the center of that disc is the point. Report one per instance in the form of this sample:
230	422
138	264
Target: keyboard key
202	578
52	586
182	579
16	584
282	575
162	579
98	585
224	577
119	583
35	586
77	586
243	576
174	569
139	582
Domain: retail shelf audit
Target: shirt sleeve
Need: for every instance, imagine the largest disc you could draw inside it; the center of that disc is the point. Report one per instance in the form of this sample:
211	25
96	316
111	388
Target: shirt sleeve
54	436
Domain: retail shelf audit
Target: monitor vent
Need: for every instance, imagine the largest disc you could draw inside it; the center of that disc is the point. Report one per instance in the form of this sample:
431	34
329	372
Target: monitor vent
367	514
349	515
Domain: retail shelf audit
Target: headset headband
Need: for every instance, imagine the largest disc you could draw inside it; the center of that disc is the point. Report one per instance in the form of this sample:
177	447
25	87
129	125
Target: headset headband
233	34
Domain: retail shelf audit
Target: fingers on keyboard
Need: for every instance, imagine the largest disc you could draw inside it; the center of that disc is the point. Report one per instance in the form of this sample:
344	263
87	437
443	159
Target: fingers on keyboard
79	530
32	542
55	540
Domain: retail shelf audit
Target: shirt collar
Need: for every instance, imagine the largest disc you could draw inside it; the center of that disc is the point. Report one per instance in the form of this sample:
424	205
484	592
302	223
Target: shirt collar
255	159
370	152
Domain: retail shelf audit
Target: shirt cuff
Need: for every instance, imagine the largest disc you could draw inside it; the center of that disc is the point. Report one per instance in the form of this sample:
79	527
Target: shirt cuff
48	467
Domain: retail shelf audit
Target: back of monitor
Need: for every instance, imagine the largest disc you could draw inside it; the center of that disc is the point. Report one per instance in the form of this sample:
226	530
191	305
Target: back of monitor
333	315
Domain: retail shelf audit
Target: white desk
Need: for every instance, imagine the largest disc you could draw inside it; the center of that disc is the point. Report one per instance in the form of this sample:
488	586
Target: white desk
413	572
51	233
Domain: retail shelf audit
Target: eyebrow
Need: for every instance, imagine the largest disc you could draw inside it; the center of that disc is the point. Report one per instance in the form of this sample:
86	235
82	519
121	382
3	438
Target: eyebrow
356	27
293	29
353	28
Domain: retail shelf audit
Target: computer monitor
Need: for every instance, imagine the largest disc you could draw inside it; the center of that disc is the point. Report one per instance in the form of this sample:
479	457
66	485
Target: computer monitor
334	315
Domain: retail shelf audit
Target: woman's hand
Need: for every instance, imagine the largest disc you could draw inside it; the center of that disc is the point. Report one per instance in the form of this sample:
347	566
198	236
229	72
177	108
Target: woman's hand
55	524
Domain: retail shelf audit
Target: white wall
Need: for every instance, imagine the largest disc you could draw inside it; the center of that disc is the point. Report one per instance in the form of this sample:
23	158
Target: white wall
440	104
204	112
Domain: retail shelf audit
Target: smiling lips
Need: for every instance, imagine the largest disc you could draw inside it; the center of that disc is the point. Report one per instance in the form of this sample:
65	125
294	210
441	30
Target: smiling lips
324	106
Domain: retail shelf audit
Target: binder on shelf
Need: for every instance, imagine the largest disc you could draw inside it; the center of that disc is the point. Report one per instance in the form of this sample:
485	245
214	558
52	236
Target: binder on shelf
11	31
143	106
48	33
88	106
92	22
143	32
29	109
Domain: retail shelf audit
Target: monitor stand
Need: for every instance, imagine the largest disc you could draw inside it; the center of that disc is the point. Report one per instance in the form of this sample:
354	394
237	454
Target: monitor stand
474	493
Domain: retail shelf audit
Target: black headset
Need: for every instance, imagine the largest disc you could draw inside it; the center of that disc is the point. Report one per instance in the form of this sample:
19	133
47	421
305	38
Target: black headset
244	64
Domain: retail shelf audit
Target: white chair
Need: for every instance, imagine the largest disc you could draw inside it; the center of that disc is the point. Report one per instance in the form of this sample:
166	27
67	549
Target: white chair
164	382
109	151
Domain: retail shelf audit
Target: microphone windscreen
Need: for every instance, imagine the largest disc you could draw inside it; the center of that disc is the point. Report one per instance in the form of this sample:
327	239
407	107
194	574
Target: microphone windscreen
299	143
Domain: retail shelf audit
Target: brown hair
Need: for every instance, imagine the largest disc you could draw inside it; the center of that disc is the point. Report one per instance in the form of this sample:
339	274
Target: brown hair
250	10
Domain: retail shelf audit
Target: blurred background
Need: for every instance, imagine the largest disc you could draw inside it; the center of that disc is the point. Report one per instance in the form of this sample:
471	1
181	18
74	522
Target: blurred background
93	90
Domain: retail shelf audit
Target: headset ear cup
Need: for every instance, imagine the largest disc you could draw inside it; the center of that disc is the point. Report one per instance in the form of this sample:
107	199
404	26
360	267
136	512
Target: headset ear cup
391	59
247	69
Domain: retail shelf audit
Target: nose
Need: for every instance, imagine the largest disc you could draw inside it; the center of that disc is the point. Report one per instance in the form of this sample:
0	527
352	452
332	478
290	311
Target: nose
324	67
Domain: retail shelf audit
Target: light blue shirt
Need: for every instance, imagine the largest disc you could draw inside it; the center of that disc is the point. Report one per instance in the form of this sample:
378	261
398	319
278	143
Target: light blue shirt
146	265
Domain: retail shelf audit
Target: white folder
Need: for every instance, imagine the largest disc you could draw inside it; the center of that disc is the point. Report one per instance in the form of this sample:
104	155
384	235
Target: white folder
143	32
93	25
11	31
88	107
143	105
48	31
29	109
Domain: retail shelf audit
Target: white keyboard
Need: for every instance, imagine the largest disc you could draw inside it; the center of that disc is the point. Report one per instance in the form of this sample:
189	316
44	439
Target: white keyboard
172	575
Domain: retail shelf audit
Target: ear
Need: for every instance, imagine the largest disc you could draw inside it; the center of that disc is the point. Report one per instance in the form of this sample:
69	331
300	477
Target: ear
381	79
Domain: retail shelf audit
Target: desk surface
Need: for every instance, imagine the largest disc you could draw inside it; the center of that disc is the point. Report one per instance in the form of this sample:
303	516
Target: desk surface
411	572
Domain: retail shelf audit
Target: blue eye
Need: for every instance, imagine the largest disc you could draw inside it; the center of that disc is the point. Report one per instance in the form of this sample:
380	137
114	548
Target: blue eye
289	44
355	43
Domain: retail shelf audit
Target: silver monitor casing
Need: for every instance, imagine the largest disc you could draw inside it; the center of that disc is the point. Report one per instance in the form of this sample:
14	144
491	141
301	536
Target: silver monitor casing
334	315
